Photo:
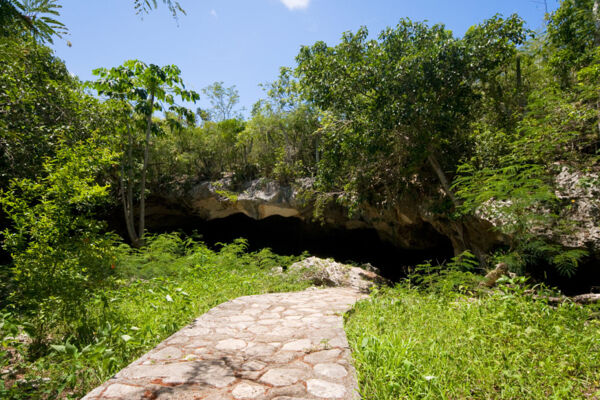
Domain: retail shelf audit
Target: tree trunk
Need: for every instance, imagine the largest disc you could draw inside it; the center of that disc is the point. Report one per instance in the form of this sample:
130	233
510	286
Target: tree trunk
464	242
598	120
127	193
520	85
443	179
317	152
596	12
126	210
142	223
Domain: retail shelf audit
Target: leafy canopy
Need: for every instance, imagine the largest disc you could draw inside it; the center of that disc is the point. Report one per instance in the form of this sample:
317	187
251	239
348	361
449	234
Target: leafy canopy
136	82
392	103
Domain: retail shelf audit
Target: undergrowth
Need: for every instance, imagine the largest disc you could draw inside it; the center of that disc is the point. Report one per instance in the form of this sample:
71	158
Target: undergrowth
154	293
445	339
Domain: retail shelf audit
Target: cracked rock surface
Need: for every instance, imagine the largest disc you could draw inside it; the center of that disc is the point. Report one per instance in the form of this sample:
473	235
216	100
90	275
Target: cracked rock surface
273	346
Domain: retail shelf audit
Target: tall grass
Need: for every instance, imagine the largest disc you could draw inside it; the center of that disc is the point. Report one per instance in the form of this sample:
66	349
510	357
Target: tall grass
446	341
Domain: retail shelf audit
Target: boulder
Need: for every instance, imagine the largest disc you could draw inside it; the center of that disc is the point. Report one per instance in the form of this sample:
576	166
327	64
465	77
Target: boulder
327	272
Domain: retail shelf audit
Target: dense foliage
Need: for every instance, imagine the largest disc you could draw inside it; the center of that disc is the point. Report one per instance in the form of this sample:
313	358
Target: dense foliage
42	107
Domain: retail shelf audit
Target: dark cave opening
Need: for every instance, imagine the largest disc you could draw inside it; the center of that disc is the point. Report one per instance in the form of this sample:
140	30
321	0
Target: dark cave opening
586	278
292	236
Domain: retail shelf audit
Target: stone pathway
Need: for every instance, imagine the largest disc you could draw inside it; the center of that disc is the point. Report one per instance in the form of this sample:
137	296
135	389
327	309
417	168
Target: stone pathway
283	346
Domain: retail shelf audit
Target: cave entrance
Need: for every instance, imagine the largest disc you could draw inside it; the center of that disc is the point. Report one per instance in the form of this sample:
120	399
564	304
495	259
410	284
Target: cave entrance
292	236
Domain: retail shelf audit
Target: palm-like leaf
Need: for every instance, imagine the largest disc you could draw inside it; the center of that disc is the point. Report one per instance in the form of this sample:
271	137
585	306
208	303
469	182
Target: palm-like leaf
37	17
144	6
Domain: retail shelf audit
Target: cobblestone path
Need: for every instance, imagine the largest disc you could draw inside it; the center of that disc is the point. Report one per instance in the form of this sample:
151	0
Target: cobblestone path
284	346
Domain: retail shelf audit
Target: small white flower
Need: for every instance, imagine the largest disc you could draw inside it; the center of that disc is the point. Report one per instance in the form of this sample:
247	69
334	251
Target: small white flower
429	377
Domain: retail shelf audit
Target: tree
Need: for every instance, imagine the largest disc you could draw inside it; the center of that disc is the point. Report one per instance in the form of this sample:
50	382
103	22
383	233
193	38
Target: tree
223	101
282	138
574	33
41	106
143	89
402	102
34	17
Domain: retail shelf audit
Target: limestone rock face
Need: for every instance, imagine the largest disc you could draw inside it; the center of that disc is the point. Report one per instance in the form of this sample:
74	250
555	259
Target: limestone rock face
331	273
259	199
409	224
582	194
579	194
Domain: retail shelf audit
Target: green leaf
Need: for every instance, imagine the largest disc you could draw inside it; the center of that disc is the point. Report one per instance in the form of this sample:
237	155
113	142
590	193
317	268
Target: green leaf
59	348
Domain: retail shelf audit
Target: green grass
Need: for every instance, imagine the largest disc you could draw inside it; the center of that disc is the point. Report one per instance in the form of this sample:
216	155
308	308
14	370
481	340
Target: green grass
155	293
436	343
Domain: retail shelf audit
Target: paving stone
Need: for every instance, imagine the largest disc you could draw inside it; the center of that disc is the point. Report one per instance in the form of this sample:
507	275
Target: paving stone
260	349
298	345
168	353
177	393
288	398
289	392
328	390
258	330
253	366
178	339
247	391
273	321
217	396
194	331
197	343
293	324
210	373
231	344
118	391
282	357
322	356
282	376
331	370
338	342
241	318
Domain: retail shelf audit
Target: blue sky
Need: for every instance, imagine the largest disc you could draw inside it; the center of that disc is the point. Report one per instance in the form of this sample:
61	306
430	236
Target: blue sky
244	42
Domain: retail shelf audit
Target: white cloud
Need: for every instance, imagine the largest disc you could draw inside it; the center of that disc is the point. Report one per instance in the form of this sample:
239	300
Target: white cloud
213	12
296	4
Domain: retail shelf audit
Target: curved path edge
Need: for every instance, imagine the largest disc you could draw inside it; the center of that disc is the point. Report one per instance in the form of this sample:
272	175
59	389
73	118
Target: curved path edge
279	346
